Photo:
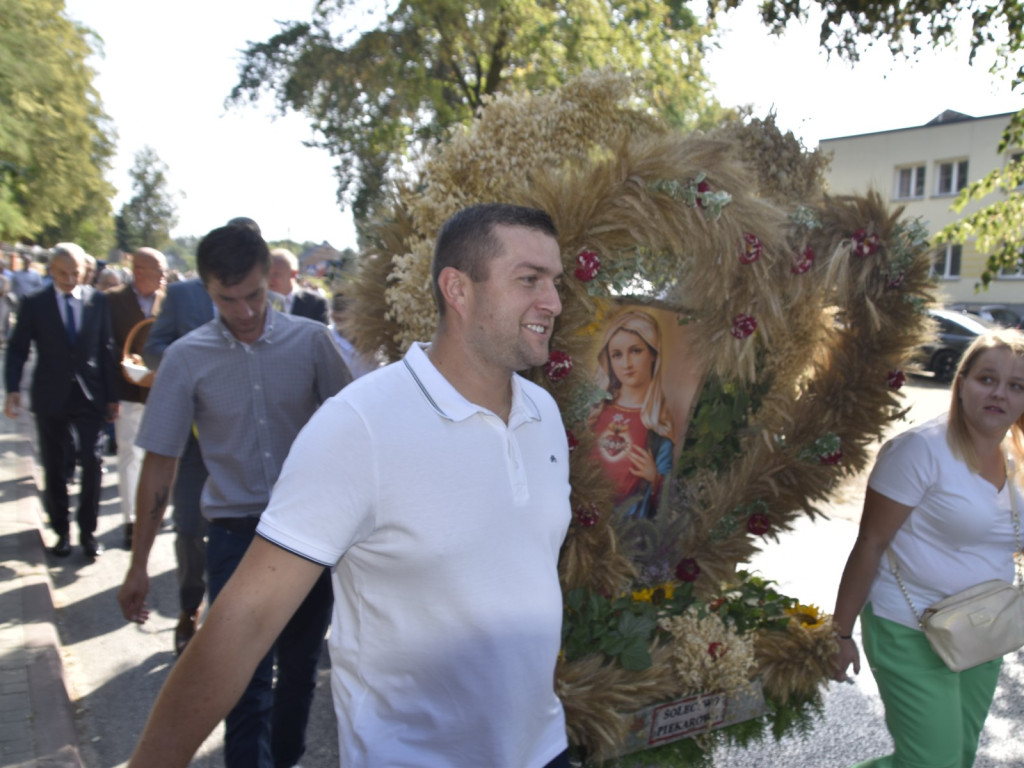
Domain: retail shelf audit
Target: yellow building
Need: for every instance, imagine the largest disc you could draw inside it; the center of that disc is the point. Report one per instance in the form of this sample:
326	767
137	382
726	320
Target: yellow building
923	168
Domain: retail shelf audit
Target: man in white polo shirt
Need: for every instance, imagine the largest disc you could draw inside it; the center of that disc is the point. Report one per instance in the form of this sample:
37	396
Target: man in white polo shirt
438	489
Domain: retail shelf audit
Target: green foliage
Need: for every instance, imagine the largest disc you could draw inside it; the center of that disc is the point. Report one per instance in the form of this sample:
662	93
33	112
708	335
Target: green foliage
847	24
685	753
998	228
55	143
377	98
753	604
719	420
621	628
181	253
150	214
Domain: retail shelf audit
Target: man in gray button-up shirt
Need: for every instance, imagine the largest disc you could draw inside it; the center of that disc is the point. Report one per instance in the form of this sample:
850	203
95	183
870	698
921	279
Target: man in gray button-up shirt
249	379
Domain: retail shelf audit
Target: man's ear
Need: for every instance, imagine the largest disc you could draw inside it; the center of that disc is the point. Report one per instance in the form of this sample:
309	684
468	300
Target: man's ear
453	285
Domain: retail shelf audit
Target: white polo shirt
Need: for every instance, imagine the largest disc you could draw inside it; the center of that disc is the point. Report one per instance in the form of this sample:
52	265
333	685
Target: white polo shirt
960	532
443	526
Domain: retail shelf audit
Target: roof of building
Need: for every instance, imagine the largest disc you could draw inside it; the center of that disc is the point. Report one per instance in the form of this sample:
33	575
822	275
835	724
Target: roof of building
949	116
946	117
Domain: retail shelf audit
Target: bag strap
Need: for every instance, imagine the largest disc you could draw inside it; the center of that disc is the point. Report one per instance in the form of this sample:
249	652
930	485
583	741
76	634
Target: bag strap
1017	554
894	567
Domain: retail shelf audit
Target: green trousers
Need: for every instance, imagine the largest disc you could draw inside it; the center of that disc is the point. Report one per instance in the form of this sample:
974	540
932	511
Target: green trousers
934	715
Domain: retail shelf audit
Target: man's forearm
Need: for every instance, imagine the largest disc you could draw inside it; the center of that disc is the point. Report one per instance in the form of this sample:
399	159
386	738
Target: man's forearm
155	481
244	620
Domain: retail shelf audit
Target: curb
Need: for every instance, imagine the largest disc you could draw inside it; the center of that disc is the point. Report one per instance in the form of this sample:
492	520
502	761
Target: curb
53	719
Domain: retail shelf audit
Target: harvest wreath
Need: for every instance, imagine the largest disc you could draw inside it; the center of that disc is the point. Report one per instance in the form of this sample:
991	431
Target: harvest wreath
791	314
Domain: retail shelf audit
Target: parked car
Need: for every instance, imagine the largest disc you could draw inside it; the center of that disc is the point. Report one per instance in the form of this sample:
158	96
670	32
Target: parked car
956	331
1000	314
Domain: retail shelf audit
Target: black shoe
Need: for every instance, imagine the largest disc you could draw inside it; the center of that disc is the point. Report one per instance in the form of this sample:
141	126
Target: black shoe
184	631
62	548
91	547
129	532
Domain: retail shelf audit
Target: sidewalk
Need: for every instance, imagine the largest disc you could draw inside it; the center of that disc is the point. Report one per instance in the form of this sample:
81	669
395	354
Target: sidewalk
37	728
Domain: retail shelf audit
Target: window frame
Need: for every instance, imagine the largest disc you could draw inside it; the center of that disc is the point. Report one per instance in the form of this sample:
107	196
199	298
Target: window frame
1002	274
918	177
958	177
951	255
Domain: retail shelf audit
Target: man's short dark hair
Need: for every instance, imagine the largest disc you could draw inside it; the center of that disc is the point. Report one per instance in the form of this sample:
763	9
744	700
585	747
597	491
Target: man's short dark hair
228	254
467	241
245	221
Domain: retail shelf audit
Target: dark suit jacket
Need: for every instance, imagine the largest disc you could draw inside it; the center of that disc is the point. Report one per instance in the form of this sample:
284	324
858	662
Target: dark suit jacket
311	305
91	361
185	307
124	315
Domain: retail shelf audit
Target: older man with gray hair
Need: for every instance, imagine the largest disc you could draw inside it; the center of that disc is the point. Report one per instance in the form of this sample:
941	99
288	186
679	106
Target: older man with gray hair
130	305
284	269
74	386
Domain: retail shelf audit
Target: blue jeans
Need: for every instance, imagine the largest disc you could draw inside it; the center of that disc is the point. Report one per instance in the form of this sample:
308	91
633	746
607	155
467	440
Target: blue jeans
267	727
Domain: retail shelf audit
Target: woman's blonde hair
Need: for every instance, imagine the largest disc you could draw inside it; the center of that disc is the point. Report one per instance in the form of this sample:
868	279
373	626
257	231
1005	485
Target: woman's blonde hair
957	434
654	413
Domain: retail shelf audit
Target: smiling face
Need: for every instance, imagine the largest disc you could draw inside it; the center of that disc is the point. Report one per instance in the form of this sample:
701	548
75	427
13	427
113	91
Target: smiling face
632	360
242	306
991	393
510	315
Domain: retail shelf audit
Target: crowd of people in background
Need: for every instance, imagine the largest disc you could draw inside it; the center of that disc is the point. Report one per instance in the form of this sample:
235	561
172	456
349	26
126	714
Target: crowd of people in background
134	288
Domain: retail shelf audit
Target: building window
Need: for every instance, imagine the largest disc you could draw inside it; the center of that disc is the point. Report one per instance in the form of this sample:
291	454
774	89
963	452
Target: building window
1013	273
910	183
946	264
951	178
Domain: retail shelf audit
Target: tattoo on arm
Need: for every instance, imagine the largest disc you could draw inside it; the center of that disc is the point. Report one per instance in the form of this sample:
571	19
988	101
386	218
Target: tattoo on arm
160	503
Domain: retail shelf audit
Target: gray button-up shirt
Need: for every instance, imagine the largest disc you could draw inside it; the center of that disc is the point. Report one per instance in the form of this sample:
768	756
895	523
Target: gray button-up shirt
247	402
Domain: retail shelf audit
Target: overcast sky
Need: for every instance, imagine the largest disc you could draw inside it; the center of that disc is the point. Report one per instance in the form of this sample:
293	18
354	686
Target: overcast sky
167	68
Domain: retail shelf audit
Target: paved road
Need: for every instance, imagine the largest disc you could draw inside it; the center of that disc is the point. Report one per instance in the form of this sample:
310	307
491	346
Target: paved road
115	669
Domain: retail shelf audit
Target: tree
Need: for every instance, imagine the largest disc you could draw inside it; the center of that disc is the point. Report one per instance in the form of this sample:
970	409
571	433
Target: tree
55	141
377	98
181	252
148	217
997	228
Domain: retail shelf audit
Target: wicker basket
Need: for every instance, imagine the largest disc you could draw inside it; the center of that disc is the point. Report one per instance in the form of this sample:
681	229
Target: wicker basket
135	374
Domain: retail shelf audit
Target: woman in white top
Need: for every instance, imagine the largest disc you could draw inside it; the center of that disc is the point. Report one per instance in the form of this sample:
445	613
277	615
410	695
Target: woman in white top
939	497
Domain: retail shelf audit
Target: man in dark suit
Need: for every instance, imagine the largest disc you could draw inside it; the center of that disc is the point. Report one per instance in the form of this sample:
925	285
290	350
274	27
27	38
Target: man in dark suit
130	305
284	268
74	385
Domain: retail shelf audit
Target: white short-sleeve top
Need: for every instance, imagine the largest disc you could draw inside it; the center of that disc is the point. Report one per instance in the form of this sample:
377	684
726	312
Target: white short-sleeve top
959	533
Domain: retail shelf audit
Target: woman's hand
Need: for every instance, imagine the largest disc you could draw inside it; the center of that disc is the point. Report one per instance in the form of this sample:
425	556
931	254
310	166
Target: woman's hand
846	655
641	464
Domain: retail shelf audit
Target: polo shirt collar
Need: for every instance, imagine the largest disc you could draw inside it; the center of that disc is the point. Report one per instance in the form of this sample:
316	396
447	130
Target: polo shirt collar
447	400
